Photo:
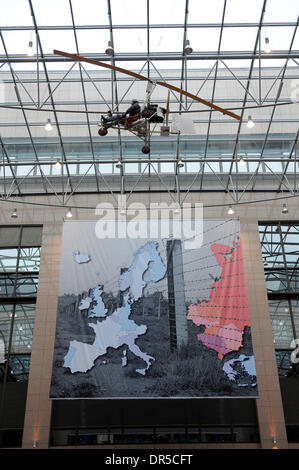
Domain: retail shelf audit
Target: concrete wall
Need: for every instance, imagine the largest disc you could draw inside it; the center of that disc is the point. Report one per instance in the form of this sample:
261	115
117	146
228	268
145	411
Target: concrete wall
38	408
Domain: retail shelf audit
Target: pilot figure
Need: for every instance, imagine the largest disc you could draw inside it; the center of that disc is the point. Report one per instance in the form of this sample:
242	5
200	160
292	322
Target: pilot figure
131	111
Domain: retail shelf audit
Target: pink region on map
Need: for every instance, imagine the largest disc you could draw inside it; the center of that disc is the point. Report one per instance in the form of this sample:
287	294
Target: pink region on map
226	313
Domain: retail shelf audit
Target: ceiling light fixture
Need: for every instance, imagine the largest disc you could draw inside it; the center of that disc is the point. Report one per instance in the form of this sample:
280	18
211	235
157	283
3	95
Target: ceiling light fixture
230	210
180	164
119	164
284	209
57	165
250	122
30	51
187	49
274	440
48	126
14	214
69	213
109	50
267	45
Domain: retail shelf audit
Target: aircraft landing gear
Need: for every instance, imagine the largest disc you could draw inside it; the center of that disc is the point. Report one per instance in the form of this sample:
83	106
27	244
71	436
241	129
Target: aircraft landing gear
146	113
102	131
145	149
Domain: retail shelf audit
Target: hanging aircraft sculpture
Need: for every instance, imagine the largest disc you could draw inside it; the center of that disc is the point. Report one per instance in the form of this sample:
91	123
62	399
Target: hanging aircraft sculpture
139	120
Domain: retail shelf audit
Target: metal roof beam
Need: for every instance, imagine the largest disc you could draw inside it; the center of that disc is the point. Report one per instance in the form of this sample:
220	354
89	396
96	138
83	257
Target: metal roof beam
151	26
210	55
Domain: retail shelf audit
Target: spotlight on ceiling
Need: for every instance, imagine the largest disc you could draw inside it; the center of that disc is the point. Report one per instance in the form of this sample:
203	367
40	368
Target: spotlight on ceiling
267	45
180	164
119	164
230	210
284	209
14	214
109	50
250	122
187	49
30	51
48	126
69	213
57	165
274	442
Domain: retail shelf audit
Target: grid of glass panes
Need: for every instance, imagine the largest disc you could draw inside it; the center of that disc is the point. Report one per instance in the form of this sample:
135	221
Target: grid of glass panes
280	251
19	270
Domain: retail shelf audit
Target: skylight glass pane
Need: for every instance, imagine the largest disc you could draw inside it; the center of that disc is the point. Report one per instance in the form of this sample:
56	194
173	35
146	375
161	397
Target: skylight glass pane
93	40
15	13
90	12
62	40
163	40
243	11
16	42
53	12
203	39
278	11
238	39
130	40
211	13
279	37
132	12
167	11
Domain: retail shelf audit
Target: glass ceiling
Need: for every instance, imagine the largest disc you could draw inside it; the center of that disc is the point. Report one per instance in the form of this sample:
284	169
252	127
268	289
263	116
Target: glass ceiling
228	66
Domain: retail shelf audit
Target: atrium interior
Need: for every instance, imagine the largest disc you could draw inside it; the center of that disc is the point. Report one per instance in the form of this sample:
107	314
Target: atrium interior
228	142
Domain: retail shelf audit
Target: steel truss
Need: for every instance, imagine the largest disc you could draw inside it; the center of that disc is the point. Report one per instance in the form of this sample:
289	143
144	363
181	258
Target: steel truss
150	176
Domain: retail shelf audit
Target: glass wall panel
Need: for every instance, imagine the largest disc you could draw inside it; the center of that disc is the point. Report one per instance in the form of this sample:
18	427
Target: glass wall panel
20	252
8	260
280	251
281	323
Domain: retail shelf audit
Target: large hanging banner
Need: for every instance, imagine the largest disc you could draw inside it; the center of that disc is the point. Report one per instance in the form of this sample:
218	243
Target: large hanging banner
150	318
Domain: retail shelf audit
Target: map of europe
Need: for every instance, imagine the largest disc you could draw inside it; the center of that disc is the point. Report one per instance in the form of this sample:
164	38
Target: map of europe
152	318
118	329
226	313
